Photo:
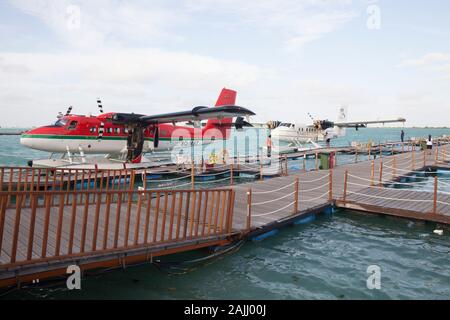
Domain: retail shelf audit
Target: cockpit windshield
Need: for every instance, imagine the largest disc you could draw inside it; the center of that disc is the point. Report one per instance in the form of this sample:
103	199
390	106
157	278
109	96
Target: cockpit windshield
61	122
288	125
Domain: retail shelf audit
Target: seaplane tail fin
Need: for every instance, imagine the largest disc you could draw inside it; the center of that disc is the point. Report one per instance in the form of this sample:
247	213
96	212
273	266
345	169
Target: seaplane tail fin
342	117
227	97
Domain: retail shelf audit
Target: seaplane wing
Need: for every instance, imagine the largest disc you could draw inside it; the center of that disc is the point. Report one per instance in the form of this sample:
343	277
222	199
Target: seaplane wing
363	124
196	114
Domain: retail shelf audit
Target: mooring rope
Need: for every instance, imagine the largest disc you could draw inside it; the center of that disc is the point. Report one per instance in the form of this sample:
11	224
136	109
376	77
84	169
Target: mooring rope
273	212
316	188
168	180
316	198
274	200
213	174
315	180
387	181
212	181
271	191
388	198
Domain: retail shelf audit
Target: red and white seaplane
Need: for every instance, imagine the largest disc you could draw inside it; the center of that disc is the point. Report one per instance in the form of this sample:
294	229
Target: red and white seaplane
124	137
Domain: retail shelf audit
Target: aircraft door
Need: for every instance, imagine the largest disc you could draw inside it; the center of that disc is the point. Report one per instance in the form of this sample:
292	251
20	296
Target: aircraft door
135	143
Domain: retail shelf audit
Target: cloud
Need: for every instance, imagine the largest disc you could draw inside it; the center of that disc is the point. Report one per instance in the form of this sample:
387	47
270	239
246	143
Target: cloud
132	66
436	62
141	80
93	24
427	60
297	21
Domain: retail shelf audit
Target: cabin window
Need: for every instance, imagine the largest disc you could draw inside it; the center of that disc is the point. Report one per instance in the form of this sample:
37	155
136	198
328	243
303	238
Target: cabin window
92	129
117	130
108	130
72	125
125	130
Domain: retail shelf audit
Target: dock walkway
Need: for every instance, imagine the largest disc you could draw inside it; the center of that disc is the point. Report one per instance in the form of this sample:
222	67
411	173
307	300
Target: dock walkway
42	232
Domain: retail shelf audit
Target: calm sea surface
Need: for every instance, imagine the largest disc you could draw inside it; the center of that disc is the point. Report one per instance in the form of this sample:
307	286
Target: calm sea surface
326	259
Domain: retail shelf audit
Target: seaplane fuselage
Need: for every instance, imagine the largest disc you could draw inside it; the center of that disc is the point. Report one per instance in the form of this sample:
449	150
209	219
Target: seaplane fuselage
75	133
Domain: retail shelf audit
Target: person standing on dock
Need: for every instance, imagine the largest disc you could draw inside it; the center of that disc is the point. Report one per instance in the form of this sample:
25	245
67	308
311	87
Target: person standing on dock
429	144
269	145
402	136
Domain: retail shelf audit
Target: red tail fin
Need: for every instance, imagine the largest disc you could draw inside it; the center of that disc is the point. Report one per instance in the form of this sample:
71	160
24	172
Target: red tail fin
226	97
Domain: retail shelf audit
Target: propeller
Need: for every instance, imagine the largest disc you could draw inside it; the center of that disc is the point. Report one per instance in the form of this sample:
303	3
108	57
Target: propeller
240	123
69	110
99	103
156	137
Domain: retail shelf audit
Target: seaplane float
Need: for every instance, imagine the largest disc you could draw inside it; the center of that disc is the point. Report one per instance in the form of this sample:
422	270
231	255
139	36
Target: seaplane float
124	138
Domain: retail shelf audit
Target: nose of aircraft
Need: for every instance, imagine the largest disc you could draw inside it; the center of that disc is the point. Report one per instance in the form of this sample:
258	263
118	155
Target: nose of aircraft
26	139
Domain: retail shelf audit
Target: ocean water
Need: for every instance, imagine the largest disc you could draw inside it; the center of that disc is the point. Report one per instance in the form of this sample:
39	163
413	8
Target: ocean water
325	259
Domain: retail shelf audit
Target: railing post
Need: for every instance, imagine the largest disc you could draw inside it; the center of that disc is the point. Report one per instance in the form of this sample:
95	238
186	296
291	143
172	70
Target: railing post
435	195
356	154
317	161
372	174
231	174
192	175
330	185
144	179
249	209
304	162
413	160
394	167
286	165
261	176
230	211
344	197
436	155
132	177
296	187
380	182
425	158
238	161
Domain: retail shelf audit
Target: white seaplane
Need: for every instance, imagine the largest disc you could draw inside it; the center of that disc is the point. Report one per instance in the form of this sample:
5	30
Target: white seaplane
291	137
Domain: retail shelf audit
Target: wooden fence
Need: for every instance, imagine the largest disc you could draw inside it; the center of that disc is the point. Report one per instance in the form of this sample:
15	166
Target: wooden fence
66	224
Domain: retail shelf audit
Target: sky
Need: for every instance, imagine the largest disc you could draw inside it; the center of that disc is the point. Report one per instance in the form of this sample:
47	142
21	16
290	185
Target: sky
286	58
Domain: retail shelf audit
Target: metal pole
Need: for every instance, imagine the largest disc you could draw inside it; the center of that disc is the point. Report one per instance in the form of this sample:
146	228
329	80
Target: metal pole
296	195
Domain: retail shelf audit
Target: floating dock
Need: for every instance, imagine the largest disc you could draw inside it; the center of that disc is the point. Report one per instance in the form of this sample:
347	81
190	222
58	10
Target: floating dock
45	226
